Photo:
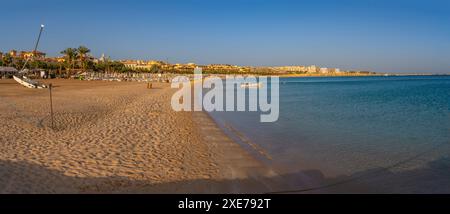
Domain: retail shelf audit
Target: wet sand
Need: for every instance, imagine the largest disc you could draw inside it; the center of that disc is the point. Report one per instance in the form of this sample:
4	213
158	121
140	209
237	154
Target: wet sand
116	137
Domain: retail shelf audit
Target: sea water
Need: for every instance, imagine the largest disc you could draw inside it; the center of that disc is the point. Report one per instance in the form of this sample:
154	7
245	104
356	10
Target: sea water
347	126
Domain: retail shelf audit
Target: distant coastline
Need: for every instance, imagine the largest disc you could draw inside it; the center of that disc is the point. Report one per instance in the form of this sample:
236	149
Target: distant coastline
360	75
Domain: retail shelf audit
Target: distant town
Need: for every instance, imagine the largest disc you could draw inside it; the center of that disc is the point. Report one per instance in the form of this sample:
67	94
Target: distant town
73	61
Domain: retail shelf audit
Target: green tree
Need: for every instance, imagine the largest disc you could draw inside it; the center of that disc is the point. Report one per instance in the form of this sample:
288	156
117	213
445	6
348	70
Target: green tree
38	64
71	56
18	63
90	65
82	54
7	60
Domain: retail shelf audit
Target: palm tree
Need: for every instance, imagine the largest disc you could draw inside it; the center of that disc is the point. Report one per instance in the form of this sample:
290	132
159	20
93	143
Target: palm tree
71	55
82	53
7	60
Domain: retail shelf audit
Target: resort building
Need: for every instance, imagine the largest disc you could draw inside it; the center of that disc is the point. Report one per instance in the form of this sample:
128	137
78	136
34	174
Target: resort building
13	53
183	67
308	69
324	70
139	64
291	68
312	69
60	59
222	67
157	63
32	55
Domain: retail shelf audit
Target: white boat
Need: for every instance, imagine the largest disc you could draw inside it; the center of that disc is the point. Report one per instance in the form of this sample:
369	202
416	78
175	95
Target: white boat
251	85
23	80
29	83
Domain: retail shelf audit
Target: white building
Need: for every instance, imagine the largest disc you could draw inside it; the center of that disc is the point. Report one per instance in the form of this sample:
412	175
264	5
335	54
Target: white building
323	70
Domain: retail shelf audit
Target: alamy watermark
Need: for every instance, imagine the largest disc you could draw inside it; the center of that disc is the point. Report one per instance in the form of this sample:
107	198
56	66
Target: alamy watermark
234	99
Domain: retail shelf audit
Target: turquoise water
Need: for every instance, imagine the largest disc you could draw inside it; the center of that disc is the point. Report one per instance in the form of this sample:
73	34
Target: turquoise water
346	126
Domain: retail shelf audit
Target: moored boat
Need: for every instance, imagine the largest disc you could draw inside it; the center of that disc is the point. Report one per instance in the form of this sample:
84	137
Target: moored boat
251	85
29	83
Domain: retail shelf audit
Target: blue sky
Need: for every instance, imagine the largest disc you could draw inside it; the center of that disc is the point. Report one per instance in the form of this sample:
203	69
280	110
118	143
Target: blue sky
391	36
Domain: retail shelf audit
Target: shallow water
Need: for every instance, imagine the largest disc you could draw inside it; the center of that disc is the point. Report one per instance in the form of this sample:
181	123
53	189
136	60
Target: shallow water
344	126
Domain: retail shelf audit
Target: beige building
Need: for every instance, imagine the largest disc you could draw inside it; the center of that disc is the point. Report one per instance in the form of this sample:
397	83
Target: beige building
313	69
141	64
324	70
27	54
291	68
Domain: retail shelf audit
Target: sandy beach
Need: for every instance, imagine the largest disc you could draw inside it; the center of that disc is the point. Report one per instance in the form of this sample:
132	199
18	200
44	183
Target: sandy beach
115	137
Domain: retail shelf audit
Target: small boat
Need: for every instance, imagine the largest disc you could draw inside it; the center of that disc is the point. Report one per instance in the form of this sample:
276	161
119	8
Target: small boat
251	85
23	80
29	83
